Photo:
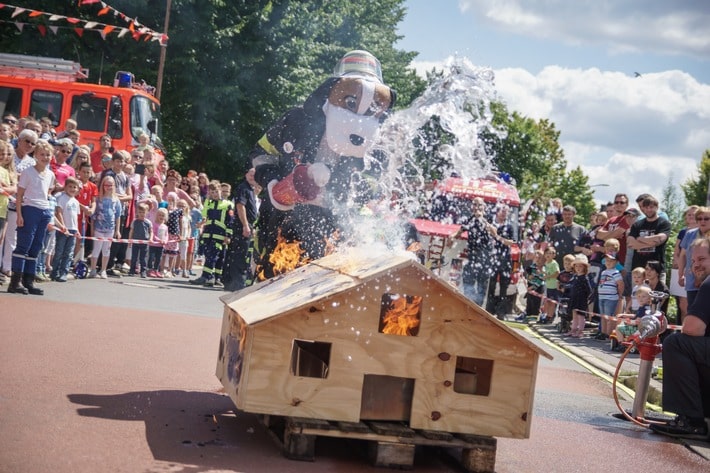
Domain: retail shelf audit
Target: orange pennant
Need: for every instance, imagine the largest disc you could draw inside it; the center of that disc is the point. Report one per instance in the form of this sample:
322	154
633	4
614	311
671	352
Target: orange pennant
103	11
36	13
108	29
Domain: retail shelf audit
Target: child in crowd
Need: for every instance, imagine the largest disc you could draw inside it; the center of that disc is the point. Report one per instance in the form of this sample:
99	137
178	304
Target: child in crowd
33	216
580	290
171	250
610	293
44	260
67	217
628	327
155	247
196	220
69	126
141	230
106	222
536	286
87	196
564	279
550	272
638	278
184	237
8	184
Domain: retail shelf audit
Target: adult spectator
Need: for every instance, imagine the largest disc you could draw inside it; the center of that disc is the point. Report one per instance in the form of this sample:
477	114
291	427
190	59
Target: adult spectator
237	261
565	235
26	142
686	277
648	237
501	262
678	291
686	360
62	150
104	148
617	226
476	271
549	222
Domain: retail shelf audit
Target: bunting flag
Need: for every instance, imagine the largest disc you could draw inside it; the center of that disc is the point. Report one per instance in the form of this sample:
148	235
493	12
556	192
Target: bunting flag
134	29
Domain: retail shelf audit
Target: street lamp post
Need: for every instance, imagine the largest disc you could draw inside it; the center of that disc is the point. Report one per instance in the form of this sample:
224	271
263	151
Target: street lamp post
163	47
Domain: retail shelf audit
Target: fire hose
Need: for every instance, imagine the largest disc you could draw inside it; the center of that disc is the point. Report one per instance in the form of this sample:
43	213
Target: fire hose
646	341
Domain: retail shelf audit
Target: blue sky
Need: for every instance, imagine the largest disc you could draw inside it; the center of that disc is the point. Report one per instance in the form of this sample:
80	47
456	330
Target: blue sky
575	62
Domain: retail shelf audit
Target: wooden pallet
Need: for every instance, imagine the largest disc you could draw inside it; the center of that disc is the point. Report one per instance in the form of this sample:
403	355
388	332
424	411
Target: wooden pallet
390	444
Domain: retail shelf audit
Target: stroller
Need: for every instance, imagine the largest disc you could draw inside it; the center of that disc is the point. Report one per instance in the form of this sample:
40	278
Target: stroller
564	318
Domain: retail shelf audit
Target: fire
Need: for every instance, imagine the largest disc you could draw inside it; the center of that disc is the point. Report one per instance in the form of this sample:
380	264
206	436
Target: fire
402	315
287	256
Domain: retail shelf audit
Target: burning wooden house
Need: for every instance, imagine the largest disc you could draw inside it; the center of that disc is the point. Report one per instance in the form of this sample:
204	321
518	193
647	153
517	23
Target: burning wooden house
357	338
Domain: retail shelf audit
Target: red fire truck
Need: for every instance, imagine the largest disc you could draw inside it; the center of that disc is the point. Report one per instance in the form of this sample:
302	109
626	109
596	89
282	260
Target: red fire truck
47	87
451	204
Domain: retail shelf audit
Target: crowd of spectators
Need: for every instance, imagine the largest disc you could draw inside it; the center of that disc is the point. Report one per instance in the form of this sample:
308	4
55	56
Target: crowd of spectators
625	247
100	201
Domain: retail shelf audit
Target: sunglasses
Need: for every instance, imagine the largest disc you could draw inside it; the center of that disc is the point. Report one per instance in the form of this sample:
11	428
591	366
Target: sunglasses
29	142
621	202
9	121
702	219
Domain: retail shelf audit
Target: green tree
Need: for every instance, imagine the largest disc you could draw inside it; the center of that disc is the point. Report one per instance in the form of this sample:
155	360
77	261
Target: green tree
697	190
529	151
232	67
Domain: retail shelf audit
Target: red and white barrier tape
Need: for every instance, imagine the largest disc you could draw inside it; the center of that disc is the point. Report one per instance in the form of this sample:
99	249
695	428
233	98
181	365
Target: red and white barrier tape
613	318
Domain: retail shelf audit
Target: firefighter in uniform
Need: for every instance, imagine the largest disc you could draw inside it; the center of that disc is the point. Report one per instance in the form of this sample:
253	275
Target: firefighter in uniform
218	217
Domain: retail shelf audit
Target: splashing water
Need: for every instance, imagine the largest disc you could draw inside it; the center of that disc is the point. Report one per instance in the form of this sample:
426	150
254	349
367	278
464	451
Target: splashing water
459	97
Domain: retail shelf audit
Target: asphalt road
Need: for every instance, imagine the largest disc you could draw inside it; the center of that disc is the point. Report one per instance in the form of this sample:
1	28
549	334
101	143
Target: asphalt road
118	375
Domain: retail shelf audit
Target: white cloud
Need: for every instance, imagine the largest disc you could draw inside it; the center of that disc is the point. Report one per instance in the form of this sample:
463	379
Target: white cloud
632	133
677	27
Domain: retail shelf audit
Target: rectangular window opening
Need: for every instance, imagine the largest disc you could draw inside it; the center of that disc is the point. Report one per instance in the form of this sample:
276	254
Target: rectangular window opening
310	359
473	376
400	314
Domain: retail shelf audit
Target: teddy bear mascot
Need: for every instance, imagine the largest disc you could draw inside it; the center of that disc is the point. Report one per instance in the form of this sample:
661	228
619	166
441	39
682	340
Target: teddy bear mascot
306	159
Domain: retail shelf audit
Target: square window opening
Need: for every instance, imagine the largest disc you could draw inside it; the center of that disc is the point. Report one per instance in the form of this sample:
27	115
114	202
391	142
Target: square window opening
473	376
310	359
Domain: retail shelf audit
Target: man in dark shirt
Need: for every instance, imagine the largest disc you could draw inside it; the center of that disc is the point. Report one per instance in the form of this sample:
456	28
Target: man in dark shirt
238	260
648	237
686	360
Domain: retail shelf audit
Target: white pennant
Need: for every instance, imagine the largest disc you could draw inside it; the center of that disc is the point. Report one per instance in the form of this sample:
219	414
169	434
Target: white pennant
56	17
18	11
123	32
20	26
54	29
90	24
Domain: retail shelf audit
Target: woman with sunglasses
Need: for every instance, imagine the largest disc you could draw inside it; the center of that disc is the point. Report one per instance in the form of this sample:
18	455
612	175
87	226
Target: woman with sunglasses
60	168
686	278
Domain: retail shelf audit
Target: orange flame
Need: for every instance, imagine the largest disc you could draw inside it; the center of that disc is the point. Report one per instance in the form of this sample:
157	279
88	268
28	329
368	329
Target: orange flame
402	316
287	256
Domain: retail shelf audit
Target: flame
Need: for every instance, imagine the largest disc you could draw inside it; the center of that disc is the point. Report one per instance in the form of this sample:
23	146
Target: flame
402	315
287	256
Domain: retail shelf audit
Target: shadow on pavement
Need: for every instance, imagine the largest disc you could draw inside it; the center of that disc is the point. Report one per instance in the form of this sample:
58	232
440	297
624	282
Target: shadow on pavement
197	429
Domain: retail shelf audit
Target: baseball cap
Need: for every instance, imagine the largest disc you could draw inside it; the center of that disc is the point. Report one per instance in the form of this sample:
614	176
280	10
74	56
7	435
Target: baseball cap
633	212
611	255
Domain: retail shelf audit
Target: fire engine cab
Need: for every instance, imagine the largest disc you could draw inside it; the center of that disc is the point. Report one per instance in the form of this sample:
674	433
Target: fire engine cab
445	253
47	87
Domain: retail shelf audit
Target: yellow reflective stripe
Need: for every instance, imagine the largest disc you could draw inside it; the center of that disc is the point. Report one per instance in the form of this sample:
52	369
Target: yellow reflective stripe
268	147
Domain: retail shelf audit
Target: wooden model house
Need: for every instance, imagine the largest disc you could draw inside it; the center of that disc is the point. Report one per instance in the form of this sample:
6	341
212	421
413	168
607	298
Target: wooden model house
352	337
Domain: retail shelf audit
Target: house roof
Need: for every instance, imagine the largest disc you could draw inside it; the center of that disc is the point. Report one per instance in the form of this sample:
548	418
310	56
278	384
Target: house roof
329	276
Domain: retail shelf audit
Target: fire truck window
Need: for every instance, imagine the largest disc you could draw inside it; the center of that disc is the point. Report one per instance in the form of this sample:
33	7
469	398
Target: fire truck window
115	121
310	359
89	112
400	314
46	104
10	101
473	376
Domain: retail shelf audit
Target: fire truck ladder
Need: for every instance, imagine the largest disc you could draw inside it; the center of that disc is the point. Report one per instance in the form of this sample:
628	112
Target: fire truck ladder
36	67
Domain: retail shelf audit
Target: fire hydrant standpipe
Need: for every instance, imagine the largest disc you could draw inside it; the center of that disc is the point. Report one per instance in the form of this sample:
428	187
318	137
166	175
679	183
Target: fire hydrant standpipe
647	342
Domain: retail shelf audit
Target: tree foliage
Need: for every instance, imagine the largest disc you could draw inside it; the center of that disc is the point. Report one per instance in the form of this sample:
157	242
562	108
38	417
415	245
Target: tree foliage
529	150
232	66
697	190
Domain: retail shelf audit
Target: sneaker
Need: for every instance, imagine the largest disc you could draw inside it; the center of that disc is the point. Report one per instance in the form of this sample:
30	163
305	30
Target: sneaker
125	268
681	427
151	273
143	274
113	273
103	275
131	273
92	274
62	278
209	283
218	284
521	318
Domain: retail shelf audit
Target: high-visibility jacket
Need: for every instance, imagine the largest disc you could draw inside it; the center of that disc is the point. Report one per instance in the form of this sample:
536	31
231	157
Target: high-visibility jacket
218	219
